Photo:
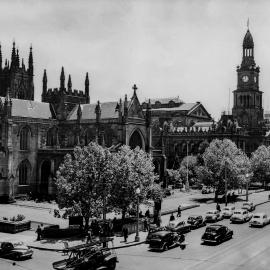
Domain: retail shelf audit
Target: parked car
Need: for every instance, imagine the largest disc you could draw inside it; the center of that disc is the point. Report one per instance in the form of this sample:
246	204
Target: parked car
213	216
248	206
196	221
259	220
152	230
15	250
240	215
179	226
227	211
163	240
217	234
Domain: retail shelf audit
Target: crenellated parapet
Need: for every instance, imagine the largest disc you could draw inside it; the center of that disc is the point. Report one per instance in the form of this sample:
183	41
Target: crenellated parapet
64	99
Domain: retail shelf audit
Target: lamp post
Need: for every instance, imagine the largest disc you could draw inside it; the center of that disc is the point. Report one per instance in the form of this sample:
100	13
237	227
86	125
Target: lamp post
187	182
226	186
247	176
137	237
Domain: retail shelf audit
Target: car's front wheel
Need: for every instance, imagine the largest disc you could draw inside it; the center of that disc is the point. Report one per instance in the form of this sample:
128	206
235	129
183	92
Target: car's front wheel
165	247
111	264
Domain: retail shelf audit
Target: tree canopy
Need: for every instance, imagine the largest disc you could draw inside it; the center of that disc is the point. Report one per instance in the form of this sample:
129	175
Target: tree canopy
132	169
223	159
260	162
84	179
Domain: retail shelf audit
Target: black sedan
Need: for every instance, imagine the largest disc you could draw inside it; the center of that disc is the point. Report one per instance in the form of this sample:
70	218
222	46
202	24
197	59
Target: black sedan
217	234
15	250
163	240
196	221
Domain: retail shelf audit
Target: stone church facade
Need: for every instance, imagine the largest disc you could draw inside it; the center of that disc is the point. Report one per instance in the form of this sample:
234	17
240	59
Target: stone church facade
35	135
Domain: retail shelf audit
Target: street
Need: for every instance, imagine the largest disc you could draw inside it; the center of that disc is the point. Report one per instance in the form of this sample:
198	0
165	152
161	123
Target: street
247	250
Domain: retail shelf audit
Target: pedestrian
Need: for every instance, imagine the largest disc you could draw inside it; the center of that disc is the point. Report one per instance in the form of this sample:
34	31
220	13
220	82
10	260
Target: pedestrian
172	218
147	213
89	236
38	232
179	211
125	233
145	224
218	207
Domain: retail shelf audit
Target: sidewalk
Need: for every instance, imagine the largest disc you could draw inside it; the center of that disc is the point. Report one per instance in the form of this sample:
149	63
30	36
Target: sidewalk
169	205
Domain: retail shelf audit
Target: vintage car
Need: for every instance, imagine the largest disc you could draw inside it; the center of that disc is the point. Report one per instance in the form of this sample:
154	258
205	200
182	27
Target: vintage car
227	211
217	234
152	230
179	226
196	221
248	206
240	216
15	250
213	216
92	256
259	220
163	240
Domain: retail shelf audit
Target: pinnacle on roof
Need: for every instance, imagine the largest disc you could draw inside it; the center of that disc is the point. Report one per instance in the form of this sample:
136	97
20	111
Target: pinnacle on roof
69	83
248	41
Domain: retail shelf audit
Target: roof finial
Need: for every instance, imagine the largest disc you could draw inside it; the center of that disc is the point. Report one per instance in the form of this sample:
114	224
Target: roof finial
248	24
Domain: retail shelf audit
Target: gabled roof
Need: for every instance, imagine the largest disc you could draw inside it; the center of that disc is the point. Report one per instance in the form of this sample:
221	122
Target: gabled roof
88	111
164	100
30	108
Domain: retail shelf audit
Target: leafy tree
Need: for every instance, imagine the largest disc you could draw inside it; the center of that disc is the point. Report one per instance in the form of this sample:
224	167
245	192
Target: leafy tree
260	162
131	169
84	181
202	147
223	160
174	176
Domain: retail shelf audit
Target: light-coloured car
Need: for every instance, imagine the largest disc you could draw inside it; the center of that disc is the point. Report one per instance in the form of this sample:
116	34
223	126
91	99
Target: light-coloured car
259	220
179	226
240	215
248	206
227	211
213	216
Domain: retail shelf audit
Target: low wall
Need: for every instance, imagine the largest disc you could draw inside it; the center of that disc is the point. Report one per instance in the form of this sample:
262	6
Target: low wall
14	226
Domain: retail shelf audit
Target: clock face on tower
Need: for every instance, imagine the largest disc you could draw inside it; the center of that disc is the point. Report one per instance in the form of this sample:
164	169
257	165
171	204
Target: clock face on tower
245	78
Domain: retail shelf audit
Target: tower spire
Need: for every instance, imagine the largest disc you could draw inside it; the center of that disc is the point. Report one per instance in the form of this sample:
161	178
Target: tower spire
30	62
248	24
44	80
13	56
62	79
87	88
0	57
69	83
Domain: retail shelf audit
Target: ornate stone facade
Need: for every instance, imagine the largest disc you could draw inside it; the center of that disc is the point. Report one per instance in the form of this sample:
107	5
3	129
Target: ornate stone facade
35	136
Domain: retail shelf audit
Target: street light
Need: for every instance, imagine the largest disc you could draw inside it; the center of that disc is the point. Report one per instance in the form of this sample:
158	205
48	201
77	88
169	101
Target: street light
247	176
187	182
137	237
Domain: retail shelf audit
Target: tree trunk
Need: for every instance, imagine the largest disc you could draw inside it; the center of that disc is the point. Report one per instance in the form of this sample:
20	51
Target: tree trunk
86	224
123	214
216	195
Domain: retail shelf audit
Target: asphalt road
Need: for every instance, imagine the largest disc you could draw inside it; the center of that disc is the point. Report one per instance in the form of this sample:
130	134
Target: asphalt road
249	249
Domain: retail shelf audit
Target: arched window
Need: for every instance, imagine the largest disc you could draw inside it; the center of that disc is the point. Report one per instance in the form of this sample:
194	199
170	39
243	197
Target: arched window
24	138
51	137
24	172
89	136
70	139
135	140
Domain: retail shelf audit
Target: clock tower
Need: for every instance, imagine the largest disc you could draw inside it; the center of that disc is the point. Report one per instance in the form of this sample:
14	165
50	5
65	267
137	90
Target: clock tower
247	108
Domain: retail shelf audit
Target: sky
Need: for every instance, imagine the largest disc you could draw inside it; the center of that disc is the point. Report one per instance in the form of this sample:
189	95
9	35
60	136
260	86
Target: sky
170	48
